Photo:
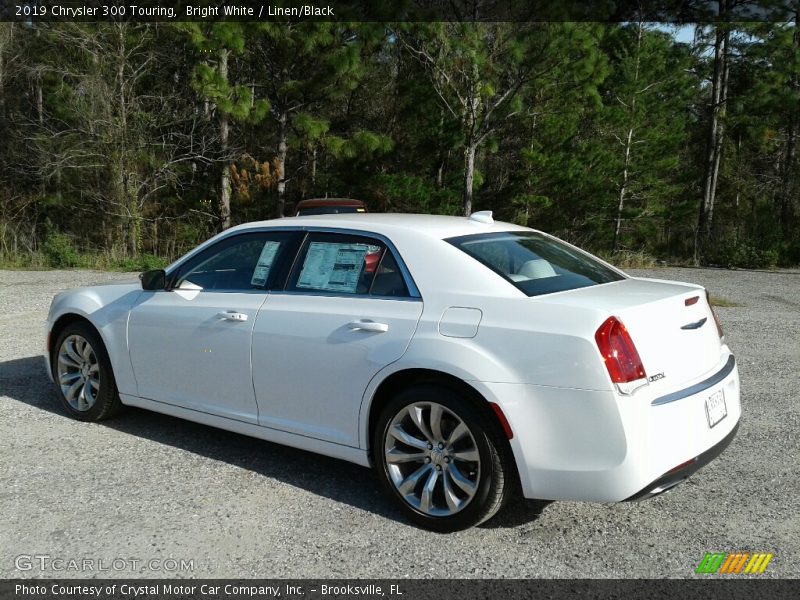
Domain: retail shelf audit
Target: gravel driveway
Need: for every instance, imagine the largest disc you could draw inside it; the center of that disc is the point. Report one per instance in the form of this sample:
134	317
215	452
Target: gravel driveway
149	487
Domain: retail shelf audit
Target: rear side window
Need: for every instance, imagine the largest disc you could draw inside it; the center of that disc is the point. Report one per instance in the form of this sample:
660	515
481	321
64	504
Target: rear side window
536	264
347	265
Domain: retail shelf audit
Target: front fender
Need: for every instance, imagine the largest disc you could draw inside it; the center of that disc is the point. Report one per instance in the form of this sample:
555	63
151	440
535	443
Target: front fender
106	308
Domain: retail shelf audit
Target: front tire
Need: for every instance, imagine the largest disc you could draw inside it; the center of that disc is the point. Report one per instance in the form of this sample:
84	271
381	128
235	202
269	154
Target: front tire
83	375
441	459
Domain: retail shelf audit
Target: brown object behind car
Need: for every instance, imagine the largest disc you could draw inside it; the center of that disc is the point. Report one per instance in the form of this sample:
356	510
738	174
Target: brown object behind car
327	206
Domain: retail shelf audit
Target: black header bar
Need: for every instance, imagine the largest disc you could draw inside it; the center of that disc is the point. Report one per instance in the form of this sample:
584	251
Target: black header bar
702	587
665	11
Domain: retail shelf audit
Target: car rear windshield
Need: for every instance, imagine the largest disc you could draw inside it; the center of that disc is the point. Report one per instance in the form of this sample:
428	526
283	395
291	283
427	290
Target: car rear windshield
535	263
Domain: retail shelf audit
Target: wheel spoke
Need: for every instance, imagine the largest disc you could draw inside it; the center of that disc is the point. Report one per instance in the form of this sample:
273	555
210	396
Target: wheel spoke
427	491
450	496
72	352
460	480
415	412
68	378
409	483
94	369
397	456
83	404
436	422
470	455
86	351
73	390
457	433
65	359
88	394
398	433
95	384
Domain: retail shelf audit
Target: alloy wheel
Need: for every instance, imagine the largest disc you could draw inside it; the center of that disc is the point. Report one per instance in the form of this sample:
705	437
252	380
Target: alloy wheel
78	372
432	459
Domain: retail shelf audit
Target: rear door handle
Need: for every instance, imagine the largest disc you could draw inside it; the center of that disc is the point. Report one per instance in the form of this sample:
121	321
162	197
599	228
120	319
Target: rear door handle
232	315
368	326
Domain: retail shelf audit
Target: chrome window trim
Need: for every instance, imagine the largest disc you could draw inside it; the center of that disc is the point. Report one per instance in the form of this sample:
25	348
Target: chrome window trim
339	295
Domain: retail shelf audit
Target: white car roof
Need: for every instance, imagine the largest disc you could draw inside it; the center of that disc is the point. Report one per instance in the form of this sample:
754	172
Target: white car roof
435	226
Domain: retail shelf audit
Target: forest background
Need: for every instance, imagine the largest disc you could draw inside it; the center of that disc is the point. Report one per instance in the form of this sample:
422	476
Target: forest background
123	144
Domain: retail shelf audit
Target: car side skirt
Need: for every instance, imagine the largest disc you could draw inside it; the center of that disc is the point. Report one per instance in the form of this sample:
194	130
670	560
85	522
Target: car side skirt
348	453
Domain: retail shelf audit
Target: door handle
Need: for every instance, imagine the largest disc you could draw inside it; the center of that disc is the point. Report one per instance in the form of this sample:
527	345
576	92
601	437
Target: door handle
232	315
368	326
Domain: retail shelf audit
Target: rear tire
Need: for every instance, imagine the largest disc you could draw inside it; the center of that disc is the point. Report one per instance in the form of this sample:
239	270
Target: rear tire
444	462
83	375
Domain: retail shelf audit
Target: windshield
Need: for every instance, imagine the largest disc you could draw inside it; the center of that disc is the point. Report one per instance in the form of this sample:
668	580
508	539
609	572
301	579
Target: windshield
535	263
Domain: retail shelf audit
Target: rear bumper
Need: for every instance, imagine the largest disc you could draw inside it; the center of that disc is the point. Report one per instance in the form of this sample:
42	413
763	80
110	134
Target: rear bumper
572	444
680	474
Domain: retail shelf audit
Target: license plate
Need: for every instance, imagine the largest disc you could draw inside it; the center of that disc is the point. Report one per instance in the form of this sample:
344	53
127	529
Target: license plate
715	408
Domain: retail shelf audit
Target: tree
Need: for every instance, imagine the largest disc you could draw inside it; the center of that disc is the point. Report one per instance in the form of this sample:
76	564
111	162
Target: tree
92	127
716	125
214	44
646	113
303	68
480	72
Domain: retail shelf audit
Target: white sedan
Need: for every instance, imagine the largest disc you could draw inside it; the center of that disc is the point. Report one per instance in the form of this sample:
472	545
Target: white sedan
464	359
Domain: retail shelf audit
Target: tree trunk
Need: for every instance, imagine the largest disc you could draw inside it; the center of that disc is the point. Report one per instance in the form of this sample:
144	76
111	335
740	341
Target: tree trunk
314	169
628	144
442	153
623	188
283	134
789	175
469	176
225	177
6	40
719	94
39	100
125	195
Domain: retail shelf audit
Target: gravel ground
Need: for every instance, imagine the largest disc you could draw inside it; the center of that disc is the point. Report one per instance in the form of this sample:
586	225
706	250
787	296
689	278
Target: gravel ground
146	486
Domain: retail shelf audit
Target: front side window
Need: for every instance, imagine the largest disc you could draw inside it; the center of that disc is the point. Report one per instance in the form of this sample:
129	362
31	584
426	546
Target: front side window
349	265
240	263
536	264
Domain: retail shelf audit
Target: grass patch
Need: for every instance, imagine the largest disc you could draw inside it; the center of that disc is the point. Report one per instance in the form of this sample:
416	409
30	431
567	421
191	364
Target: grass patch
97	261
629	259
723	302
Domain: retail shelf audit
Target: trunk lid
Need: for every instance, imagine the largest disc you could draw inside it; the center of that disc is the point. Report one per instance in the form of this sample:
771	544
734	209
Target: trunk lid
670	323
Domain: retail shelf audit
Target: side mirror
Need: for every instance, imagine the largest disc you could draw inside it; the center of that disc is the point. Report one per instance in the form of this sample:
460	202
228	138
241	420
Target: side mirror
154	280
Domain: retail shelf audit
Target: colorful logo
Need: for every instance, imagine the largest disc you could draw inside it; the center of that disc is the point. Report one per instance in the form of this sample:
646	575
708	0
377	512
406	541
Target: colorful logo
734	562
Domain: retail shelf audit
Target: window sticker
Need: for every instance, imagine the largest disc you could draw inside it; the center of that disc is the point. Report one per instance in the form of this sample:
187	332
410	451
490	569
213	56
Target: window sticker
264	264
333	267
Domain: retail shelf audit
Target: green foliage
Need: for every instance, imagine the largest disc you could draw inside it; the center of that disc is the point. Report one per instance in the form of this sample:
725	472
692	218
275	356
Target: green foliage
627	259
120	165
59	251
143	262
743	254
408	193
362	144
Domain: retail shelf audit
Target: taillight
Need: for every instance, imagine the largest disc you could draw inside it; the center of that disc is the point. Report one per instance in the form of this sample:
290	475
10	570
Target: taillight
620	355
716	319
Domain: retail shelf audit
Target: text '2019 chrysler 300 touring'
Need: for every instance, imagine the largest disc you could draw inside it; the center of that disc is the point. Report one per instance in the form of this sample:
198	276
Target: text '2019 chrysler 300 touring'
464	359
